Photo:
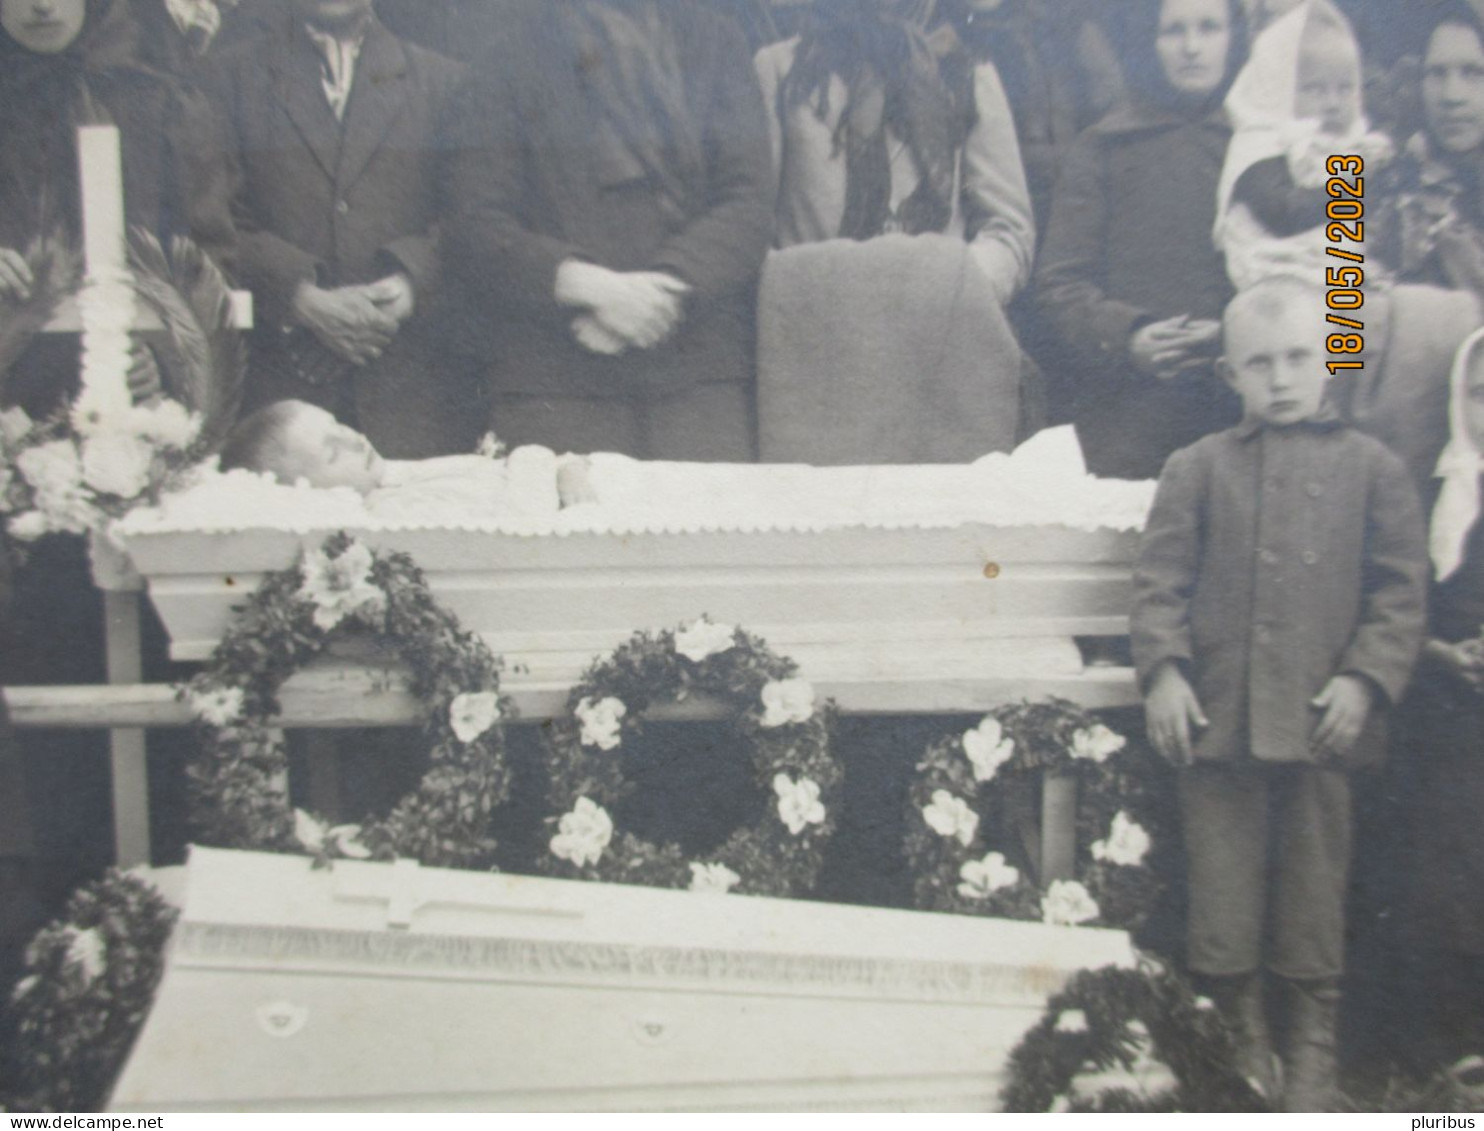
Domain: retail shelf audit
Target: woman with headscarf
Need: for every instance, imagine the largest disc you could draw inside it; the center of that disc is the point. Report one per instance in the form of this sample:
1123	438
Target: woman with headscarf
1440	201
1129	282
68	63
903	221
1439	749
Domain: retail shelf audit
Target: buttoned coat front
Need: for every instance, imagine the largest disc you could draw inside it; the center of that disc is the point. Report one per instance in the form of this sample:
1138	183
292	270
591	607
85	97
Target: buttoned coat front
339	204
1273	560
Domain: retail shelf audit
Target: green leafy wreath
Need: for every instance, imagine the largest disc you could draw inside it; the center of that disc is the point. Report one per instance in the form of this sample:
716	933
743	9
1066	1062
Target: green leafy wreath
89	985
1135	1040
959	840
238	784
770	709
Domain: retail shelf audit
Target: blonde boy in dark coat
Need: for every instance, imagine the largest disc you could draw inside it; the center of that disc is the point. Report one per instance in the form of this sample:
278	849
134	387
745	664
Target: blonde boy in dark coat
1278	612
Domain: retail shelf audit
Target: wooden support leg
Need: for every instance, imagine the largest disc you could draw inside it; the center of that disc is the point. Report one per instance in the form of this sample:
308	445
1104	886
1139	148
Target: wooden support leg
126	745
1058	828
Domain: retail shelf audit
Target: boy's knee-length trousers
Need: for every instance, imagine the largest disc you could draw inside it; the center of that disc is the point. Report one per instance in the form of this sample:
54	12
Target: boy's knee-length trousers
1268	852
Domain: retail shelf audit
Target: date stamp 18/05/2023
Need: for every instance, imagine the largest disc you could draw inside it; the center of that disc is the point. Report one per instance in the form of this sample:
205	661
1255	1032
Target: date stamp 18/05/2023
1344	215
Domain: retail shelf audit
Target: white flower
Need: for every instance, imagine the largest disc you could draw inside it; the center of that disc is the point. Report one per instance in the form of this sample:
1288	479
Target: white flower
1068	904
167	423
218	707
23	987
314	835
55	473
347	839
15	426
798	802
1204	1003
951	816
701	639
716	879
787	701
29	526
1062	1105
473	713
116	463
1127	843
102	406
86	949
988	748
600	722
308	831
1097	743
1071	1021
583	834
340	587
982	878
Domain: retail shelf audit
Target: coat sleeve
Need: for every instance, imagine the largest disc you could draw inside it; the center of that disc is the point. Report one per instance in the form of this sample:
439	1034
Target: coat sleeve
722	248
1069	289
420	254
1393	614
268	264
997	203
203	176
1169	563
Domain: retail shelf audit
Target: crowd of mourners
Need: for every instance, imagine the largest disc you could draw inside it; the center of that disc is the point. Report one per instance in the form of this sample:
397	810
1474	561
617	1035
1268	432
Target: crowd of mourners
856	231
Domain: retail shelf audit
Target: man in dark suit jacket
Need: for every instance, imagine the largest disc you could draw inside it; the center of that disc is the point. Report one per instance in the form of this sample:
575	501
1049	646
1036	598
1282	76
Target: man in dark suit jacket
613	207
338	131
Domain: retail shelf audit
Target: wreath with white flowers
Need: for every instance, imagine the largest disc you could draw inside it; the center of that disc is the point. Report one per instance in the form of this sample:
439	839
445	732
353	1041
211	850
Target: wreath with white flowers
771	709
960	845
89	985
1127	1040
238	783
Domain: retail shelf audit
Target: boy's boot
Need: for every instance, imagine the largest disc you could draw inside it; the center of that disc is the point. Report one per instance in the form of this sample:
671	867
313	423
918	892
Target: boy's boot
1310	1068
1244	1007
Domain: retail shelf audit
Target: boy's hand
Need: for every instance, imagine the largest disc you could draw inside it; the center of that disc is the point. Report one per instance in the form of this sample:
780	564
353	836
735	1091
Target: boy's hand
1464	662
1346	703
1171	711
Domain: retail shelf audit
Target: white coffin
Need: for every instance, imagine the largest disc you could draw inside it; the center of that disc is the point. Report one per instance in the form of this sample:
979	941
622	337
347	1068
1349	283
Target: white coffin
898	616
388	987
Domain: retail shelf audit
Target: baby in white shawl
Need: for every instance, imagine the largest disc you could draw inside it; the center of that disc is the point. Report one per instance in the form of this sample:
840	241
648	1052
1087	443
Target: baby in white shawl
1296	103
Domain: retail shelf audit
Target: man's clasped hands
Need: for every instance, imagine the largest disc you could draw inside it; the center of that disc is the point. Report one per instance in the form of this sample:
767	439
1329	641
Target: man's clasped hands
620	310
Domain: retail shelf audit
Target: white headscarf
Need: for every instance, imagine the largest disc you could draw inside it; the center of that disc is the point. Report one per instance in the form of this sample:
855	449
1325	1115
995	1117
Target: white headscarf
1261	106
1459	468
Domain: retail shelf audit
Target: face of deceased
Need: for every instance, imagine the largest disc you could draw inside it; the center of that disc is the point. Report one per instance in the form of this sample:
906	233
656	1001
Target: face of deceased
319	449
1275	358
1473	400
1453	88
332	14
43	26
1192	43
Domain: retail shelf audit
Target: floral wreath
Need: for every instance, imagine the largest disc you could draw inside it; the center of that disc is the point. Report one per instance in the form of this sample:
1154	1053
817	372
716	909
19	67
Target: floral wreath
100	456
238	783
771	709
1127	1040
966	783
89	985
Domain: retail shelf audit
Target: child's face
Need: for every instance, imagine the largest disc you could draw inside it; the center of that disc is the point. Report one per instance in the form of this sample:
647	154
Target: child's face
1276	362
1473	400
1328	85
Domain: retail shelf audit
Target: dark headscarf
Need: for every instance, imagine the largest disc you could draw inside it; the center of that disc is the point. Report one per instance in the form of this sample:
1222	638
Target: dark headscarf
924	89
43	99
1137	30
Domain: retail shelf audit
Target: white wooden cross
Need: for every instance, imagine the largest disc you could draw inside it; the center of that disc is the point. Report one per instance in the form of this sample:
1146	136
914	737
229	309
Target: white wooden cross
100	169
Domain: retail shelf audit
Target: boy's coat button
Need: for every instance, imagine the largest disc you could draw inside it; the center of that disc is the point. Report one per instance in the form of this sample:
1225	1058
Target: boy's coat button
1309	557
1314	490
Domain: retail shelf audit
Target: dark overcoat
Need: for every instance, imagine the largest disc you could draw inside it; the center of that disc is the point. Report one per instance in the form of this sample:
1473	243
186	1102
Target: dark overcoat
528	198
1129	242
339	204
1273	560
